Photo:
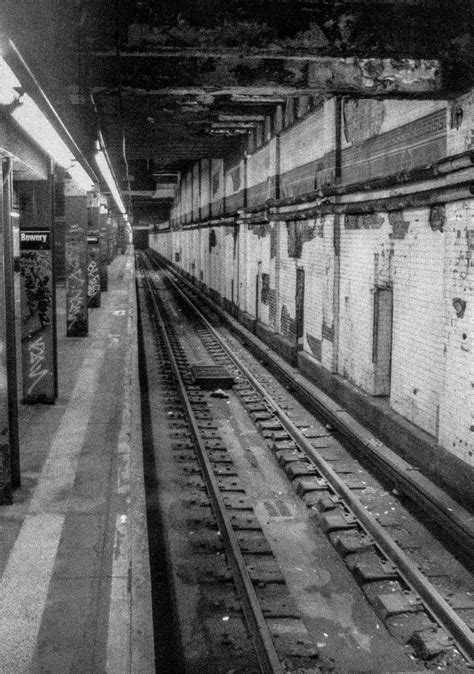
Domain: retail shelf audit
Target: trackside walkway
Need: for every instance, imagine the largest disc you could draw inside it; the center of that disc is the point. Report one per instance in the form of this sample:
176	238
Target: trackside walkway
75	586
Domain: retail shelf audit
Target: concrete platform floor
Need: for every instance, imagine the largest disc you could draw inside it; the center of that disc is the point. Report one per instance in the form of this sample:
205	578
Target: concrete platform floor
75	586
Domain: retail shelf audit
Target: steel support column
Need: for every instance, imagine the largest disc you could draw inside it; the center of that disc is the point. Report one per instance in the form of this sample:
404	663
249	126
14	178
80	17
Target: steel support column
75	213
10	323
93	250
103	245
37	292
5	385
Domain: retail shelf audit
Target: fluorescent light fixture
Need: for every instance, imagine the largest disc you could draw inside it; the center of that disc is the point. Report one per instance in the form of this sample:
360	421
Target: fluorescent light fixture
8	82
36	125
104	168
80	176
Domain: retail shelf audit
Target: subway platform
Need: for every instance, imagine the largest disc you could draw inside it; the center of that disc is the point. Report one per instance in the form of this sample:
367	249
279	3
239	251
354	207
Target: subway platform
75	582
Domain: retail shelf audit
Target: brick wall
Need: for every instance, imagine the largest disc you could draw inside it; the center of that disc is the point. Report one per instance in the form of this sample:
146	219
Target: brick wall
318	262
196	190
217	186
417	355
456	423
423	257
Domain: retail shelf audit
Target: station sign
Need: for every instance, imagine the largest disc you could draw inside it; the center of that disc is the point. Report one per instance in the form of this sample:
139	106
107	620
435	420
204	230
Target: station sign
35	239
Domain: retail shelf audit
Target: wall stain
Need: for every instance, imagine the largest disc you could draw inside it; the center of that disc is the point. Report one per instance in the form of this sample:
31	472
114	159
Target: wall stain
288	324
261	230
437	217
316	346
363	221
299	233
327	332
399	225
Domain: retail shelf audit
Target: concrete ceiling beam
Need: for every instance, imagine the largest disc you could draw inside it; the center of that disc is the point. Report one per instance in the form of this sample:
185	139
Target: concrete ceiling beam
202	73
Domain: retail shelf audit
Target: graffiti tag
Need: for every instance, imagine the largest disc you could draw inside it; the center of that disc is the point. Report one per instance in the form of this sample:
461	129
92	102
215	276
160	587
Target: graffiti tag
37	359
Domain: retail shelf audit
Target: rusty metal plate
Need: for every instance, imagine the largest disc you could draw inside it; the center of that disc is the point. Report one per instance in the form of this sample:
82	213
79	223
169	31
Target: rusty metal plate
211	377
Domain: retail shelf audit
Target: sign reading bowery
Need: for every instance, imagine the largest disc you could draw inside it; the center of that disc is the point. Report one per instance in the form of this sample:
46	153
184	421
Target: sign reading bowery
34	239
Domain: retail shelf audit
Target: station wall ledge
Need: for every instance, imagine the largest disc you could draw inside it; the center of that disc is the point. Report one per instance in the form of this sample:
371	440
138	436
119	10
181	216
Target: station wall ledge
317	202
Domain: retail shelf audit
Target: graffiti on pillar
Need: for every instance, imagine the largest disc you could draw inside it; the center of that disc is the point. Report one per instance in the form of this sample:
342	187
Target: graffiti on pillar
103	258
5	473
94	280
93	272
36	363
37	316
76	282
35	269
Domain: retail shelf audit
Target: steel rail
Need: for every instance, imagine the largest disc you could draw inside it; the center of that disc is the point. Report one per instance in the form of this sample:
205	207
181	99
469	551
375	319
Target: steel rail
435	603
265	650
456	526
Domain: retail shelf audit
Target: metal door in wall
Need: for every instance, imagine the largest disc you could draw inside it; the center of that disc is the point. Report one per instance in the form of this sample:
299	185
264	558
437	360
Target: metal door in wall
382	340
299	303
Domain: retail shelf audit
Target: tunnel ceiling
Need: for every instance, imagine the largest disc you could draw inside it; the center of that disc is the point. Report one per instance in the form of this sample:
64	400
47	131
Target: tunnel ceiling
170	82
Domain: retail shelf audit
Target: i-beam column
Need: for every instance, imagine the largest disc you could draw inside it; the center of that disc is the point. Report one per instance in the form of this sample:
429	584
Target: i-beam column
37	305
5	384
75	215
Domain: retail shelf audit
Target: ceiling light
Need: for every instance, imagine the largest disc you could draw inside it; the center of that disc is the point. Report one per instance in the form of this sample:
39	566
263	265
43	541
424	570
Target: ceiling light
104	168
8	84
23	109
35	124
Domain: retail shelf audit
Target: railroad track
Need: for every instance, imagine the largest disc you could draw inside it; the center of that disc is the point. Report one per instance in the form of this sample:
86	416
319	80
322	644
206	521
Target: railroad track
260	594
405	590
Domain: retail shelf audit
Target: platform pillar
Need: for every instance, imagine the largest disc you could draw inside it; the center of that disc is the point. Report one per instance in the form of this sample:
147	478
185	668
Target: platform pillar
103	244
93	250
75	215
10	321
37	298
5	384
